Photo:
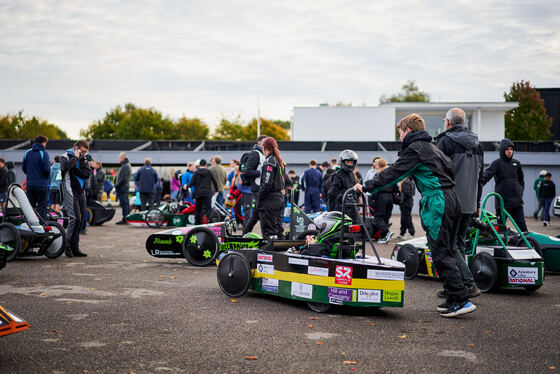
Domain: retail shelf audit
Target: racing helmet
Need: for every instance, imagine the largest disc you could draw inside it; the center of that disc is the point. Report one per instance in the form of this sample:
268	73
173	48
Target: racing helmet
329	224
348	155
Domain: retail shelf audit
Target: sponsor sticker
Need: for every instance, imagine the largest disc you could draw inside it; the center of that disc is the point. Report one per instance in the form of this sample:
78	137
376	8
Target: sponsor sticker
162	241
339	295
517	275
261	257
176	232
393	296
314	270
369	296
302	290
270	285
385	274
343	275
158	252
265	269
297	261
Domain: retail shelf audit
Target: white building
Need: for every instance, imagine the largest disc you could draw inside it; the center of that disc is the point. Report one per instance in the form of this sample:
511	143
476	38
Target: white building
346	123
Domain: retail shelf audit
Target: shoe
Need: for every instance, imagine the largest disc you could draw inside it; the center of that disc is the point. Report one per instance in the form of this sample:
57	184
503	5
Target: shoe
443	307
122	222
441	293
474	291
400	236
385	240
79	254
458	308
535	215
83	232
68	253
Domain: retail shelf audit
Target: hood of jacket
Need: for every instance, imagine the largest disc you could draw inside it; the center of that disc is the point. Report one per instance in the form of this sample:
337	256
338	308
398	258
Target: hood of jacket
504	144
204	171
37	147
257	148
415	136
10	165
461	135
125	161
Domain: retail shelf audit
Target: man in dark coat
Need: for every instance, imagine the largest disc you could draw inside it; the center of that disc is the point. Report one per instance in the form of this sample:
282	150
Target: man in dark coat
202	181
509	182
36	166
312	184
146	179
122	185
252	174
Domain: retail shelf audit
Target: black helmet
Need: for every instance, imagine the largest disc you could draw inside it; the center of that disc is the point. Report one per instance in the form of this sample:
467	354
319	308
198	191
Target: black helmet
348	155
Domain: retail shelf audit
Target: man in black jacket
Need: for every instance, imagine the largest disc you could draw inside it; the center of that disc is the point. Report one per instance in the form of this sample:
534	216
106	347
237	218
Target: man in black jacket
510	183
121	186
252	173
4	183
547	193
75	171
202	180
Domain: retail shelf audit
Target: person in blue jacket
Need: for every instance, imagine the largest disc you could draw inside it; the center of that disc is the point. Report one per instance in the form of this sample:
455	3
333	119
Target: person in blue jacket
312	184
36	166
146	179
185	180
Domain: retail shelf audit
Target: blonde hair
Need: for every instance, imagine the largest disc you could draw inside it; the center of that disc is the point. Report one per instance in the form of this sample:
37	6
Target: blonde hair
413	121
381	163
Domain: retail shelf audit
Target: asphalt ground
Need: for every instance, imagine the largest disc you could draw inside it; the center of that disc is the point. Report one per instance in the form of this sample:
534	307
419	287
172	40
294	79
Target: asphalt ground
121	311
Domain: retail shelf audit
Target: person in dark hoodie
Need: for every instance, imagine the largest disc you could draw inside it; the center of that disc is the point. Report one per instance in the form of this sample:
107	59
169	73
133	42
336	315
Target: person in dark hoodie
467	156
146	179
252	175
3	183
547	194
432	173
11	172
344	178
509	182
75	171
270	198
312	185
36	166
382	203
122	182
202	181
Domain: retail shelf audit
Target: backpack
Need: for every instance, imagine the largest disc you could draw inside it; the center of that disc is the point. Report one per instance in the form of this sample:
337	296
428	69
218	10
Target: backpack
245	181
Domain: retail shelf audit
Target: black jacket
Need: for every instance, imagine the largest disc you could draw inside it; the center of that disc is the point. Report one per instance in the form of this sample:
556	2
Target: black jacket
75	172
408	190
123	176
202	180
548	190
467	156
4	179
508	176
253	170
342	181
272	181
11	172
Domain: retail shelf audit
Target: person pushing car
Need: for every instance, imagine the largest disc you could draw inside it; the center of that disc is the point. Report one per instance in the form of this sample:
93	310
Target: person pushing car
432	172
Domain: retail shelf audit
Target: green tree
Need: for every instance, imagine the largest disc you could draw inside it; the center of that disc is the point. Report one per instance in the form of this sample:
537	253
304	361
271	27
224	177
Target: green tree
268	128
410	93
283	124
229	130
529	121
20	127
190	129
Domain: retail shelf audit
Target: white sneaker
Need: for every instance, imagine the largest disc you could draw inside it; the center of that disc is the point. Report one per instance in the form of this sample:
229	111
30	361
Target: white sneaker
385	240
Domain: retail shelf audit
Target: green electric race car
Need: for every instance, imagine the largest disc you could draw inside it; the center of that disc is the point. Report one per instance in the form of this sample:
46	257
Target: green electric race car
173	214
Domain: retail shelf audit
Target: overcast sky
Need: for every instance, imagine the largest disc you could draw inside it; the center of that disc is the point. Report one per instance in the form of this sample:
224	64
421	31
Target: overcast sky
71	61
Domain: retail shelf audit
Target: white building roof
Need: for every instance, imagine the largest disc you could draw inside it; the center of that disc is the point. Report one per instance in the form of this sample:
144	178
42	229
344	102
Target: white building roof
444	106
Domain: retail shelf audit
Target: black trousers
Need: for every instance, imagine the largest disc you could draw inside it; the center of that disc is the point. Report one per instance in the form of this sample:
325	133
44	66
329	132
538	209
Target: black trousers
518	215
75	205
441	215
39	198
202	208
406	219
123	202
253	217
146	200
270	214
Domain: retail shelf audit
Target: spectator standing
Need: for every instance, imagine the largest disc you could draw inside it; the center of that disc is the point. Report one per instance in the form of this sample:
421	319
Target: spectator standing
271	191
312	185
334	164
408	189
55	179
547	194
185	180
75	171
202	181
369	176
323	168
252	176
509	182
146	179
383	206
294	187
537	188
4	183
36	166
174	185
100	178
122	182
233	163
327	189
467	156
11	172
220	176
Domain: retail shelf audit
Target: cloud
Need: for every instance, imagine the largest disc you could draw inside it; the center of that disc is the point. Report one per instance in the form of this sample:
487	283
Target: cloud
71	61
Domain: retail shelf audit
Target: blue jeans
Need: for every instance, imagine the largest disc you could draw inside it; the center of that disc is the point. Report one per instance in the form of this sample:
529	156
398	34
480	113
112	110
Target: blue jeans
546	201
123	202
220	198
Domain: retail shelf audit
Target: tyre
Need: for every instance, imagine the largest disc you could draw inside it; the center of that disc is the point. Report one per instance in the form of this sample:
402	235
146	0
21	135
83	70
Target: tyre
485	271
9	235
408	255
201	246
303	235
536	246
234	274
318	307
58	245
154	218
90	217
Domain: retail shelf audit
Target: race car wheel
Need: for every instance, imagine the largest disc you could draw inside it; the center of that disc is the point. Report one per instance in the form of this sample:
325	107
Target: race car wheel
154	218
408	255
58	245
10	237
484	271
234	274
536	246
201	246
89	216
318	307
303	235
